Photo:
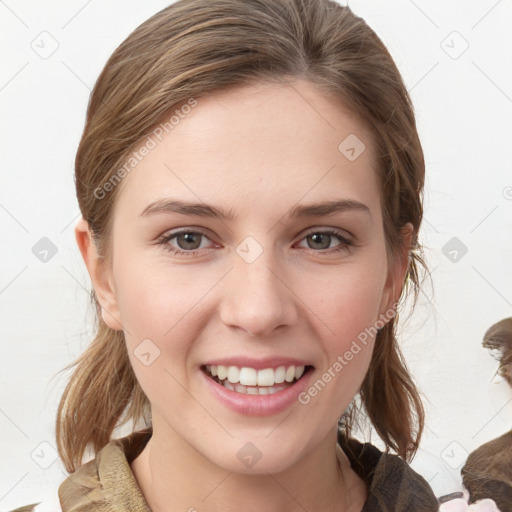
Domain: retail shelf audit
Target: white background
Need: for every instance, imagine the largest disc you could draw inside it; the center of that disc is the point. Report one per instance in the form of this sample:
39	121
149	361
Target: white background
463	107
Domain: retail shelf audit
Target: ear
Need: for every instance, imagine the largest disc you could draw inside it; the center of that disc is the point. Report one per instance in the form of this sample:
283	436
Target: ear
101	275
397	271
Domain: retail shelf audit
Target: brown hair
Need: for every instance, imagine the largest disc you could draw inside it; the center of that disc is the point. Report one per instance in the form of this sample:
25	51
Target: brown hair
194	47
498	339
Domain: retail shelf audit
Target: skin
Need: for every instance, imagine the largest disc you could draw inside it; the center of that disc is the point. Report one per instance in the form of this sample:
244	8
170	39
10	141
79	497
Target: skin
257	150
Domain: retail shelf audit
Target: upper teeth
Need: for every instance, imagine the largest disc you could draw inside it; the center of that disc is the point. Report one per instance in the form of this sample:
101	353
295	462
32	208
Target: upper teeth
252	377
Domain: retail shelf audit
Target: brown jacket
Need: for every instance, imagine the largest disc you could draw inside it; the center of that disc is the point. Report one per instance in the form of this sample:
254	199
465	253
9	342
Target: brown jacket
107	483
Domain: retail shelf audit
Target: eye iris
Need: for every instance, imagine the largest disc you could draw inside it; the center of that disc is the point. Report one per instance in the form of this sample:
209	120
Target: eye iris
315	237
188	238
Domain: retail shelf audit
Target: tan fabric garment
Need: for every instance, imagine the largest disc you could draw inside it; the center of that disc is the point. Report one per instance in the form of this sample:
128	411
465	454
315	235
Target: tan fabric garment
107	483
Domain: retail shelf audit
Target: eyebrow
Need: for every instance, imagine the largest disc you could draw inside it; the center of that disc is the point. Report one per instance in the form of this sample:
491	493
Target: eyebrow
204	210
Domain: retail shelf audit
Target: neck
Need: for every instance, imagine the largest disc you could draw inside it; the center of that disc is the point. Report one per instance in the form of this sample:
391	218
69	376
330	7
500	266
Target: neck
173	475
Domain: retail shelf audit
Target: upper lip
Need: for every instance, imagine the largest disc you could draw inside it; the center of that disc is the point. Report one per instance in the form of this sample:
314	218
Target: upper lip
257	364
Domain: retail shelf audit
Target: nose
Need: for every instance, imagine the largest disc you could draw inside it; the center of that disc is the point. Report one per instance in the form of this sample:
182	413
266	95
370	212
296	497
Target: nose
258	296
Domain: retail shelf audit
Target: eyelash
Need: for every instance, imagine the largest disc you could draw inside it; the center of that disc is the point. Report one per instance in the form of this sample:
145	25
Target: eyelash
165	239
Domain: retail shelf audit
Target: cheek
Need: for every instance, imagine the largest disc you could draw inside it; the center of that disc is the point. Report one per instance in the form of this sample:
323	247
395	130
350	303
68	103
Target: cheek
350	314
157	303
160	314
347	306
349	346
349	301
163	313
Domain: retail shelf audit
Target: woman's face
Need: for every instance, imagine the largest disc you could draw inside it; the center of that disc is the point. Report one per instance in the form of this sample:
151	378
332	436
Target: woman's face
308	283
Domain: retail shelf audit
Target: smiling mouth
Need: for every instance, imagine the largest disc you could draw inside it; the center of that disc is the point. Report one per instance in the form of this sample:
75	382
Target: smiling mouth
256	382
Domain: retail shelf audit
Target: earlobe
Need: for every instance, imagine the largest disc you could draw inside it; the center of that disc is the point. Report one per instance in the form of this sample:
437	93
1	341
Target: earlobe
100	274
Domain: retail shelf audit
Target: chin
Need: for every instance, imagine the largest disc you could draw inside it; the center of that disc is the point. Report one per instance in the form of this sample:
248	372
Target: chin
255	458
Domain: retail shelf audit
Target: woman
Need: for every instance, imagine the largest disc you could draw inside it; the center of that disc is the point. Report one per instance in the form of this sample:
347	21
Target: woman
250	179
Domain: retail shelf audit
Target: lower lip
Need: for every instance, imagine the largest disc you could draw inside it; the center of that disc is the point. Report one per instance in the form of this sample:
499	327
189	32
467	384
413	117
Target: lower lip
258	405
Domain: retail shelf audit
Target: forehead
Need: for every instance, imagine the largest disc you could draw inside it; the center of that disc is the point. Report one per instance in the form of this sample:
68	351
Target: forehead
263	146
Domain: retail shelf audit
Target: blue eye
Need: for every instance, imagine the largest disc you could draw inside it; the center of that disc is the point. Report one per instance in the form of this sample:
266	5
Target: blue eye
189	240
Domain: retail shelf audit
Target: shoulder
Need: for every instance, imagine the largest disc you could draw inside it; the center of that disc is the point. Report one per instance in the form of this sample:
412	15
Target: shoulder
99	483
392	483
107	482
